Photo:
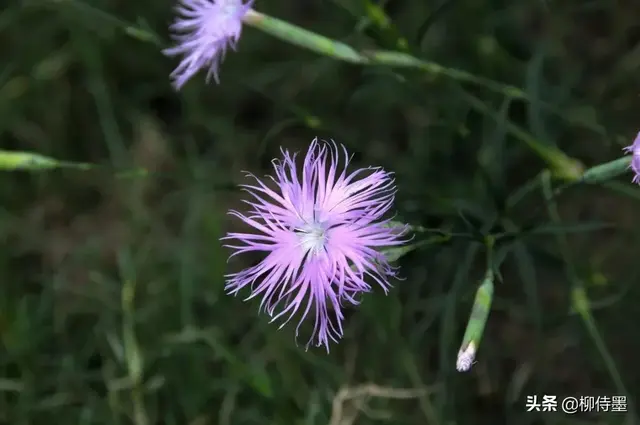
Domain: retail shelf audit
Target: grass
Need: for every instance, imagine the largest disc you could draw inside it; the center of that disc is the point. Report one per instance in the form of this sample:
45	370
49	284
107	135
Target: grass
112	304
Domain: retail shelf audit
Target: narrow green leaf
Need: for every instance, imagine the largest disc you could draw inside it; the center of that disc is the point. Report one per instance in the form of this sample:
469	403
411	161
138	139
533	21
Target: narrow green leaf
555	228
623	189
562	165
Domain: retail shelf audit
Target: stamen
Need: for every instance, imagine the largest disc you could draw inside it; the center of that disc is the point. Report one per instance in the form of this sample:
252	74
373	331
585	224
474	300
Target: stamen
313	237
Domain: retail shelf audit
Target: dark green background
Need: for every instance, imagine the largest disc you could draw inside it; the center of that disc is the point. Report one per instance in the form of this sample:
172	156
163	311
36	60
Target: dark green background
77	84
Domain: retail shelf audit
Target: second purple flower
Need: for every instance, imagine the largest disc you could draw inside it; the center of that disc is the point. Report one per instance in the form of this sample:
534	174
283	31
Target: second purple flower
321	230
634	150
203	30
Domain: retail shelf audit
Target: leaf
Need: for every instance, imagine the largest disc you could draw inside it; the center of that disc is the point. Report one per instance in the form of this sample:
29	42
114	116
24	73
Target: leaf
558	229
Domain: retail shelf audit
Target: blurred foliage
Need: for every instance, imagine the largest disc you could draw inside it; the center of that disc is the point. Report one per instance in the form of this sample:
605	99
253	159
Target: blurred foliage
112	308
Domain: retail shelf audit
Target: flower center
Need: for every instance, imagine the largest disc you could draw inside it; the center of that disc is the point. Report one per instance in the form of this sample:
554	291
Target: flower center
313	237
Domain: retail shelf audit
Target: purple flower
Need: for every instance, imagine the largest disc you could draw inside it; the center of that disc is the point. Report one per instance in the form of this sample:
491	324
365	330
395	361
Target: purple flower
321	230
203	30
634	149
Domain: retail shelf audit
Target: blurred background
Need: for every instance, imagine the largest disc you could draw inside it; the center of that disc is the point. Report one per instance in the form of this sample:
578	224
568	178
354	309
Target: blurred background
112	305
